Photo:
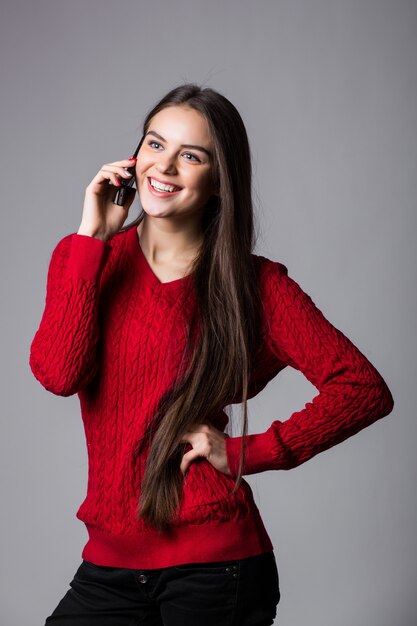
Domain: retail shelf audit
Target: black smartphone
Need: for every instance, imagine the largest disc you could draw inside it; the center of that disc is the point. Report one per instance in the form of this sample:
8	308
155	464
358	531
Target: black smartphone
126	189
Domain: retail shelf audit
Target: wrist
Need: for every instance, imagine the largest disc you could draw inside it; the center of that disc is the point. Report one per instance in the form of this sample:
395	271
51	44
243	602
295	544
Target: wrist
88	232
87	257
258	454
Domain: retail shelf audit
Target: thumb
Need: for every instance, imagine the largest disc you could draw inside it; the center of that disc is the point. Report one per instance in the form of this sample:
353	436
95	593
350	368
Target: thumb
186	461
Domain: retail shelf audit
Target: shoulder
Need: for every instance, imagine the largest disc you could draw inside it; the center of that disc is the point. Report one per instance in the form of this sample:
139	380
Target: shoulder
268	269
278	287
283	295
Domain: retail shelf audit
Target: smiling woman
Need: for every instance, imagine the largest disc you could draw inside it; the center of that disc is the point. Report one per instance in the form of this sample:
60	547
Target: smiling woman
174	169
158	326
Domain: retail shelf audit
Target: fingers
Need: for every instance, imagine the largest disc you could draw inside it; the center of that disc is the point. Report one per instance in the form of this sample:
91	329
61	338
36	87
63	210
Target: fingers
198	435
116	170
200	442
114	173
207	442
124	162
187	459
191	455
119	166
199	428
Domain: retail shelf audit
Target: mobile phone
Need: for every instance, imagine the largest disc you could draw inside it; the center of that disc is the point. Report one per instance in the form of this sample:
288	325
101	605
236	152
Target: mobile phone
126	189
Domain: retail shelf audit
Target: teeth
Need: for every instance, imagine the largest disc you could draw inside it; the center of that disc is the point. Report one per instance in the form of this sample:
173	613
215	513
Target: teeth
162	187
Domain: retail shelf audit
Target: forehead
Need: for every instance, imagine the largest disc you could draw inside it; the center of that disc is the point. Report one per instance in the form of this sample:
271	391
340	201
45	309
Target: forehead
182	124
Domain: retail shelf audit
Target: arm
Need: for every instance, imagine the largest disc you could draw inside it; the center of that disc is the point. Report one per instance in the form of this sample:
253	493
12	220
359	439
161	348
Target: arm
352	394
63	350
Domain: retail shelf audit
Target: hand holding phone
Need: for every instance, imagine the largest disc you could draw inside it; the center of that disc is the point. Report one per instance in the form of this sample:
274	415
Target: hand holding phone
108	198
126	190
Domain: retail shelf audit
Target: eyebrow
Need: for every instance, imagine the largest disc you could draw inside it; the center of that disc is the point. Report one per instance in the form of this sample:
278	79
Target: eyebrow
184	145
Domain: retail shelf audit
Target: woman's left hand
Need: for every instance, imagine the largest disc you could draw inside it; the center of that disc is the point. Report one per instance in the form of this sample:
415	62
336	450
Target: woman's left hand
208	442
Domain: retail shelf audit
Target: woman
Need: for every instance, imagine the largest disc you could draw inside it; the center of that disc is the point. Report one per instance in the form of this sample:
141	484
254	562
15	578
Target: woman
158	326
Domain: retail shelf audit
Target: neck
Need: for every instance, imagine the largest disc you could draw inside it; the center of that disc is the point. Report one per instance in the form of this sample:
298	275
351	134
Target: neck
163	244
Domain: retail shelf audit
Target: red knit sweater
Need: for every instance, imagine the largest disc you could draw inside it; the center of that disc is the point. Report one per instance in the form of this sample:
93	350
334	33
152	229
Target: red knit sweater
114	334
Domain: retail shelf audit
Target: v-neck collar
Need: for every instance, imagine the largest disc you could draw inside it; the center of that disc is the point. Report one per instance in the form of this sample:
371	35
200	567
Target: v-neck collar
147	272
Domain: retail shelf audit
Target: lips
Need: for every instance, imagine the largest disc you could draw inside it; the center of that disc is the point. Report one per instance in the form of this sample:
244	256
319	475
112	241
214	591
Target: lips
165	182
160	193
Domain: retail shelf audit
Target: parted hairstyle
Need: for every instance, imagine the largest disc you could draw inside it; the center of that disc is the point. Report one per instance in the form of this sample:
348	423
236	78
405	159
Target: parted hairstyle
224	334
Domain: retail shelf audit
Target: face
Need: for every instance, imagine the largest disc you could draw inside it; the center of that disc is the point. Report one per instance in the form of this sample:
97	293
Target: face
174	168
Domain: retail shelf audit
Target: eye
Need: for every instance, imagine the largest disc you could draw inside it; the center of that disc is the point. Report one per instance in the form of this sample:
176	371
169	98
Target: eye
153	144
189	154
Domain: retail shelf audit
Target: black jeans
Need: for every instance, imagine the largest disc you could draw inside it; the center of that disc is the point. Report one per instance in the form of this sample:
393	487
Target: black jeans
243	592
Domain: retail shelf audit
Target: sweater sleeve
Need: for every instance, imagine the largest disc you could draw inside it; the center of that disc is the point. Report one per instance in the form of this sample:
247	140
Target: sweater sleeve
63	350
352	393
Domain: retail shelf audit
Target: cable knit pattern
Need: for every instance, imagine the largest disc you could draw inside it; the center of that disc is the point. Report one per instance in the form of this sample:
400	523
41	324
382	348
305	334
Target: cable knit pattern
115	335
352	392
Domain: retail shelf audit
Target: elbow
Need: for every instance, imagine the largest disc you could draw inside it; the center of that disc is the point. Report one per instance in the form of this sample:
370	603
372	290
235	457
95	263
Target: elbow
60	388
387	401
381	401
56	384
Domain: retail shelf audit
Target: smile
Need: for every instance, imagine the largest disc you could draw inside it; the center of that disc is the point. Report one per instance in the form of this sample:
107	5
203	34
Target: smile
164	187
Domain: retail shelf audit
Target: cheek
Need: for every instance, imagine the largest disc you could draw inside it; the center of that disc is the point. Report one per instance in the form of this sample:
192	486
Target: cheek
201	183
142	165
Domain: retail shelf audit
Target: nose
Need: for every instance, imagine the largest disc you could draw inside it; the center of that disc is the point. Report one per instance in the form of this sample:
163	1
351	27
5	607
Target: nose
166	163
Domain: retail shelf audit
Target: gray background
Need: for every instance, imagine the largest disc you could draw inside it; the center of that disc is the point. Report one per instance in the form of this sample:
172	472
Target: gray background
328	93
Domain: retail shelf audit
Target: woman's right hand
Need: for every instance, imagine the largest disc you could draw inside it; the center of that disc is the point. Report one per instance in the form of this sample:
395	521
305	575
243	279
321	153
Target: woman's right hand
102	218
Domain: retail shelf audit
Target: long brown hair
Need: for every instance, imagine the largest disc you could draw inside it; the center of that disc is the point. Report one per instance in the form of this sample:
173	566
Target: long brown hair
218	359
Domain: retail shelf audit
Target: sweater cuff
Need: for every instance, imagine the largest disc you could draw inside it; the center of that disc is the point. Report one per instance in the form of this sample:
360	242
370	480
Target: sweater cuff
258	454
87	257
